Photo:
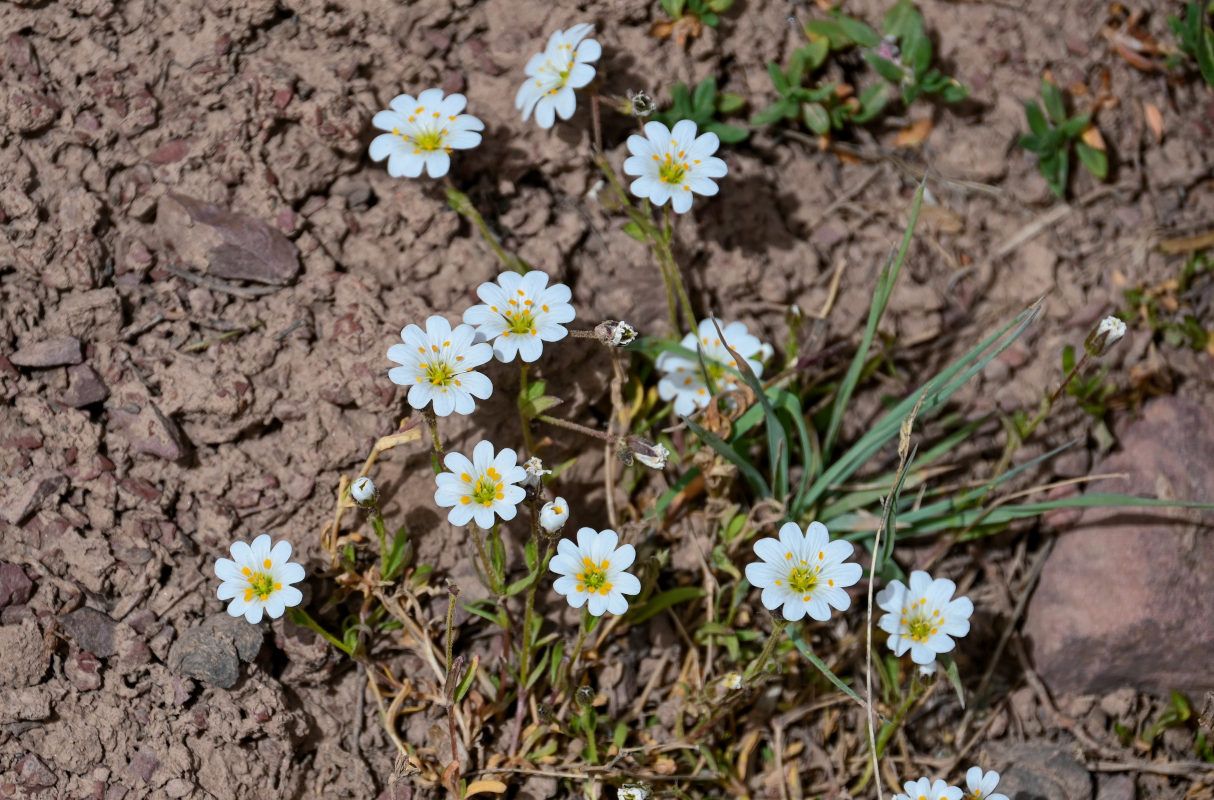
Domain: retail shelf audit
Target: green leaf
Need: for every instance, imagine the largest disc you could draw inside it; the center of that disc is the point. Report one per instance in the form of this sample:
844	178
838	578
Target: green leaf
660	602
1036	119
815	54
680	100
885	68
729	134
710	19
634	230
729	102
796	66
816	118
858	32
777	77
719	6
674	8
1096	161
954	677
794	634
872	102
1052	97
705	91
829	29
917	52
1073	127
954	92
395	560
773	113
902	19
726	451
466	682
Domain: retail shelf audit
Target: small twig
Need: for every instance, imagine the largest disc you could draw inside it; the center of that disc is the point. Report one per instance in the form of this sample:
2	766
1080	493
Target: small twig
247	292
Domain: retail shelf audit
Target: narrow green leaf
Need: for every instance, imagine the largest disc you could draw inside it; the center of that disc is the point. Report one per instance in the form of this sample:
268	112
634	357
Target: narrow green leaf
1052	98
706	91
902	19
872	102
1036	118
1095	160
777	77
885	68
466	682
794	634
726	451
816	118
729	102
729	134
858	32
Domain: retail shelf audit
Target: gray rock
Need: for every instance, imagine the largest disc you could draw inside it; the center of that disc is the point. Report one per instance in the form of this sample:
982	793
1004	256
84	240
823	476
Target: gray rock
29	494
49	353
84	387
224	243
91	630
1124	598
207	655
15	586
247	638
1115	787
150	431
1041	771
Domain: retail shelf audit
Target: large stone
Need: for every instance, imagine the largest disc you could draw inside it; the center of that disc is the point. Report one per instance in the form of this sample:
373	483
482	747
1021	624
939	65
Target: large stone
49	353
224	243
15	586
27	495
1037	770
207	654
91	630
149	431
84	387
1125	597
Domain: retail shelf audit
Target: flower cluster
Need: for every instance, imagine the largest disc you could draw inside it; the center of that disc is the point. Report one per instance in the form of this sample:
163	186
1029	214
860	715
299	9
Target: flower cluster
980	786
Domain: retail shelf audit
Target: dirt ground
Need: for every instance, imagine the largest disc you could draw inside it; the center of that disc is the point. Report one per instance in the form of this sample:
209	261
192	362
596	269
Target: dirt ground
198	409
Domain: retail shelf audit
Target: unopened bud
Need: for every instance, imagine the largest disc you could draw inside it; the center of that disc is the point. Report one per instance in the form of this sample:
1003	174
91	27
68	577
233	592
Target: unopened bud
535	473
615	333
651	455
1107	333
363	492
584	695
554	515
641	104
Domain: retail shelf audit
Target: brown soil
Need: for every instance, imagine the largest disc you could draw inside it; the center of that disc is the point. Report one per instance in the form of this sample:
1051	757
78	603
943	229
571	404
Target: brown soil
120	498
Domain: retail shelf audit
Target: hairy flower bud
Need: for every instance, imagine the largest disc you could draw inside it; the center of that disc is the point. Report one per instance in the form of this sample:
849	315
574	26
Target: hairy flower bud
615	333
651	455
363	491
640	104
1104	336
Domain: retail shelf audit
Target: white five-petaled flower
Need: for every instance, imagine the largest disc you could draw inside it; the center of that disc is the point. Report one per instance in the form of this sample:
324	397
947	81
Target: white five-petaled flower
673	163
553	75
422	133
554	515
520	313
923	618
592	572
258	577
925	789
478	489
683	378
982	785
436	365
805	573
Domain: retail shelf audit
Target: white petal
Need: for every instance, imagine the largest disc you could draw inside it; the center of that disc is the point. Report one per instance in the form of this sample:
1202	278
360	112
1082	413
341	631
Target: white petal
597	605
402	164
579	76
437	164
383	146
681	201
545	112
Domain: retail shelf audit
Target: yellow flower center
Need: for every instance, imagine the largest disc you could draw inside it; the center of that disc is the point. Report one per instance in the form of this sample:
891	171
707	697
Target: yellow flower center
920	626
802	580
593	578
261	584
521	322
488	488
429	140
671	171
439	374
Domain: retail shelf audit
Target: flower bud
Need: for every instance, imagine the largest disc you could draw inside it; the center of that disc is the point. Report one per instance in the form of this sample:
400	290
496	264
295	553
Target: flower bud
732	681
632	791
363	492
554	515
641	104
1107	333
651	455
535	473
615	333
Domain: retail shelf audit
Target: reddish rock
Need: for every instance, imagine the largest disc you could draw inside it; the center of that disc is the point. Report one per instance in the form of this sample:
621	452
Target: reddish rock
33	774
150	431
91	630
25	497
15	586
1125	597
225	244
84	387
173	150
49	353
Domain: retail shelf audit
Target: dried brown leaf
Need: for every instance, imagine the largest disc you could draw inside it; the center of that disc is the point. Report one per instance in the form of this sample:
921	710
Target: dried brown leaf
914	134
1154	120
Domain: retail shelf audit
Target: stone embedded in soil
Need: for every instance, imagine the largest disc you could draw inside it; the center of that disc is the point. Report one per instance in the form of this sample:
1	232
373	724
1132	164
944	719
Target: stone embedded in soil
56	352
91	630
33	774
25	496
150	431
247	638
1039	770
15	586
23	656
208	655
84	387
224	243
1124	598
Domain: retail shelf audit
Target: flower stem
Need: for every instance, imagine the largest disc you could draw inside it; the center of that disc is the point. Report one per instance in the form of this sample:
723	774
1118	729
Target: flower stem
573	426
777	633
436	443
463	206
304	619
523	405
529	607
490	575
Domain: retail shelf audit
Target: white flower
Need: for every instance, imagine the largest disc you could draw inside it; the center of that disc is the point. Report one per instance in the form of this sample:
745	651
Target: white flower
683	378
1107	333
480	488
363	491
535	472
592	572
554	515
924	789
924	617
732	681
982	785
423	132
805	573
258	579
672	164
553	75
632	791
437	365
520	313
